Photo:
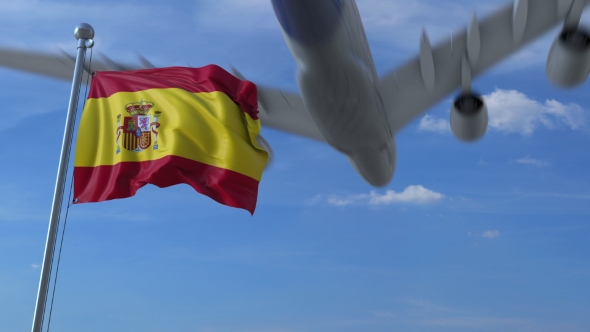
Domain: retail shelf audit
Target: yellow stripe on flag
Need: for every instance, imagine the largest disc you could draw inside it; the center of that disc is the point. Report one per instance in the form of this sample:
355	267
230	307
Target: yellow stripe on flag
207	127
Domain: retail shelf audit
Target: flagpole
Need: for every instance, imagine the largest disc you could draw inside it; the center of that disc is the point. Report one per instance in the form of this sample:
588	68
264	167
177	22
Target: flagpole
84	34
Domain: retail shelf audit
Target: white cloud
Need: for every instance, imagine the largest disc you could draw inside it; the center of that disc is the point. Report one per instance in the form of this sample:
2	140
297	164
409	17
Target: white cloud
430	123
35	266
512	111
340	201
490	234
414	194
531	161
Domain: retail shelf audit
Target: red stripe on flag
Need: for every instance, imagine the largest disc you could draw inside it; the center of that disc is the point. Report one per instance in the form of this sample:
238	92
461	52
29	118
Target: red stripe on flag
210	78
97	184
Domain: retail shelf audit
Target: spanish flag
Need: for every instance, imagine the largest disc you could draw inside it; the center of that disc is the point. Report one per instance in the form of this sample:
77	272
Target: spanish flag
168	126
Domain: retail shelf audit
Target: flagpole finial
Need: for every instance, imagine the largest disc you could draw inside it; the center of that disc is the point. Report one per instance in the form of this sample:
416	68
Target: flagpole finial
84	31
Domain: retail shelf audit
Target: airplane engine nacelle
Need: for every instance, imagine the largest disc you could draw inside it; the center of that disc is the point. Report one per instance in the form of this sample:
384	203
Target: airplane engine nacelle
568	63
469	117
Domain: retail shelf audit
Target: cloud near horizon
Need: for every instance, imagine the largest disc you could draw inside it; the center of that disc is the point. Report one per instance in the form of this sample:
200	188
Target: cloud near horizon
414	194
430	123
489	234
511	111
531	161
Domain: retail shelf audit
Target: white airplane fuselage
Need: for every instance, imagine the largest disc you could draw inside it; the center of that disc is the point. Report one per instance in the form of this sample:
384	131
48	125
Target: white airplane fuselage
338	82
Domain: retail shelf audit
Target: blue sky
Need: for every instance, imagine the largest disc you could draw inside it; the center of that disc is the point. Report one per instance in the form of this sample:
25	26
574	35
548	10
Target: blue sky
490	236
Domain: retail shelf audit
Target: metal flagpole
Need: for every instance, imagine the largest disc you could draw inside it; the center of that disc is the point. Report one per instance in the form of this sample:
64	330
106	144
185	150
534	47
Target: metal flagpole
84	34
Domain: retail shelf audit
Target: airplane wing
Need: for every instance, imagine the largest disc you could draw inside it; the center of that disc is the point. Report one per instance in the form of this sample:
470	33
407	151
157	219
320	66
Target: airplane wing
285	111
57	65
413	88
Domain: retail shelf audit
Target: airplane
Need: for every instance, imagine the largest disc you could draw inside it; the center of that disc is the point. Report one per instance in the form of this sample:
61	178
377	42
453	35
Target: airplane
343	101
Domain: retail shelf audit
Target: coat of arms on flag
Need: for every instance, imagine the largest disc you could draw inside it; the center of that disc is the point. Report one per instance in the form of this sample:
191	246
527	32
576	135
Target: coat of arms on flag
138	128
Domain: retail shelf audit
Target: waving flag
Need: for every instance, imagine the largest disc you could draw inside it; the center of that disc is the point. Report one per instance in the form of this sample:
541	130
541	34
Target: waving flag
168	126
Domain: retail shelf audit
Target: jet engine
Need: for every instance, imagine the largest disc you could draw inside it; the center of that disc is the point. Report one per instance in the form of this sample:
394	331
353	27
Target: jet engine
568	63
469	117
